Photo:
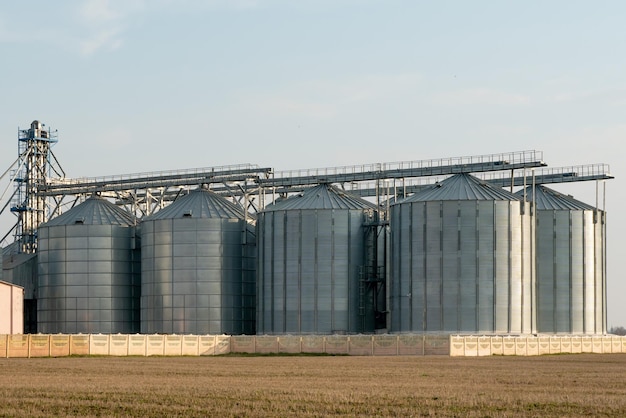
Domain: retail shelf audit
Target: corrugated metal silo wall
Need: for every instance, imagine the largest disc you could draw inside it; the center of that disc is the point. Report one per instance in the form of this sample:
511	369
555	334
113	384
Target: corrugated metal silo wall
570	272
21	269
308	274
600	273
87	280
461	266
198	276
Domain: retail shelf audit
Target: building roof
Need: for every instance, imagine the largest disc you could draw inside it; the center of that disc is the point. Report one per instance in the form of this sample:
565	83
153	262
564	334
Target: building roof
323	196
461	187
94	211
549	199
3	283
201	203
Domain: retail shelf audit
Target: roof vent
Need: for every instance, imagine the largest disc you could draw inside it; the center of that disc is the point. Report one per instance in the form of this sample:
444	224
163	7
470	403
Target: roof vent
187	214
79	221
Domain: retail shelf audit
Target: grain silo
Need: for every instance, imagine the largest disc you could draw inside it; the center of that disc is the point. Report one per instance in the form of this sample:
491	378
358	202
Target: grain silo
570	264
198	267
310	251
88	269
461	260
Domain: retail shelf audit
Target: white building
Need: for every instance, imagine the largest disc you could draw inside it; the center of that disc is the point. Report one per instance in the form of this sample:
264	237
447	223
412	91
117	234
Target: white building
11	308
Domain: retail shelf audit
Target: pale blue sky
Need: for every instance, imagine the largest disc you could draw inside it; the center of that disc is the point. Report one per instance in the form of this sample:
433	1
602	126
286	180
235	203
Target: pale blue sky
149	85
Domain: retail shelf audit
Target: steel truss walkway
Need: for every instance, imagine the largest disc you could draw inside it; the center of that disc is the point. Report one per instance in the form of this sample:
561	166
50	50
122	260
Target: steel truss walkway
252	186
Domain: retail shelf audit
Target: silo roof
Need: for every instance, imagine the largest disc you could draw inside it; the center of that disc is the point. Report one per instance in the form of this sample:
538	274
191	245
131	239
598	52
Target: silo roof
12	248
461	187
201	203
94	211
323	196
549	199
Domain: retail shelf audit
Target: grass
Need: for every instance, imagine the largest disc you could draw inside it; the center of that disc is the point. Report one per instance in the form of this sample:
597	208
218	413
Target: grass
237	386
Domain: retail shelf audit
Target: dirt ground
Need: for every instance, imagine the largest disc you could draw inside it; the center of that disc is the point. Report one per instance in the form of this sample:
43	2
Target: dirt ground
237	386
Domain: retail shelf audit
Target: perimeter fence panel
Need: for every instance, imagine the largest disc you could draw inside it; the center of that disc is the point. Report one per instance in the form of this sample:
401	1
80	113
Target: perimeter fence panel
3	345
59	345
484	346
137	345
566	344
410	345
457	346
471	346
18	346
313	344
597	344
266	344
360	345
99	345
606	344
616	344
189	345
385	345
436	345
155	345
336	344
544	345
576	345
497	346
289	344
79	345
555	345
39	345
118	345
509	346
521	346
243	344
532	346
222	344
206	345
173	345
623	344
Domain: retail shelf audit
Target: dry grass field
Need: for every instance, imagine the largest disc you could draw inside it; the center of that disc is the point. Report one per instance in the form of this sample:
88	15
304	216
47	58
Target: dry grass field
563	385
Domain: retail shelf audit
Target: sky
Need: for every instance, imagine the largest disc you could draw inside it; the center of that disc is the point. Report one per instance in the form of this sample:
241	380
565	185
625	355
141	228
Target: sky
151	85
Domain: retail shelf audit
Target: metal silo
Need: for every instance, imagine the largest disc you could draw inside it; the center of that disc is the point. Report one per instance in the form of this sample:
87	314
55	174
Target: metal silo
88	273
310	250
461	260
570	264
198	267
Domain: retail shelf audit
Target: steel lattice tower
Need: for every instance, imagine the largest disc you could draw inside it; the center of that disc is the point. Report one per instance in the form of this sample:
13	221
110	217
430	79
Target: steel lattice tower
34	167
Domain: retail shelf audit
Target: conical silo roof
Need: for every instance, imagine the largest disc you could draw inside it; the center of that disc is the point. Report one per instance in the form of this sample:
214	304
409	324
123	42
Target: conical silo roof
201	203
94	211
323	196
461	187
12	248
549	199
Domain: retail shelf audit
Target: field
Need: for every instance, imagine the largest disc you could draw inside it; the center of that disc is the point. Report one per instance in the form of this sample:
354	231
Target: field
562	385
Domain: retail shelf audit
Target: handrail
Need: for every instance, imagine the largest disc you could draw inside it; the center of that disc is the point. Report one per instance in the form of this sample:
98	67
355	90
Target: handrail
517	157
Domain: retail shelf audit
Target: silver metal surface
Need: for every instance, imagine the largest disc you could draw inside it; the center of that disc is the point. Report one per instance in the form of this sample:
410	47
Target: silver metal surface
310	248
570	271
198	268
88	279
460	260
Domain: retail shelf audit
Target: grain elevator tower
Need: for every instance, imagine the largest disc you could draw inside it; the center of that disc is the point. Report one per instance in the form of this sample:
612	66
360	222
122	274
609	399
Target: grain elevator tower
35	164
